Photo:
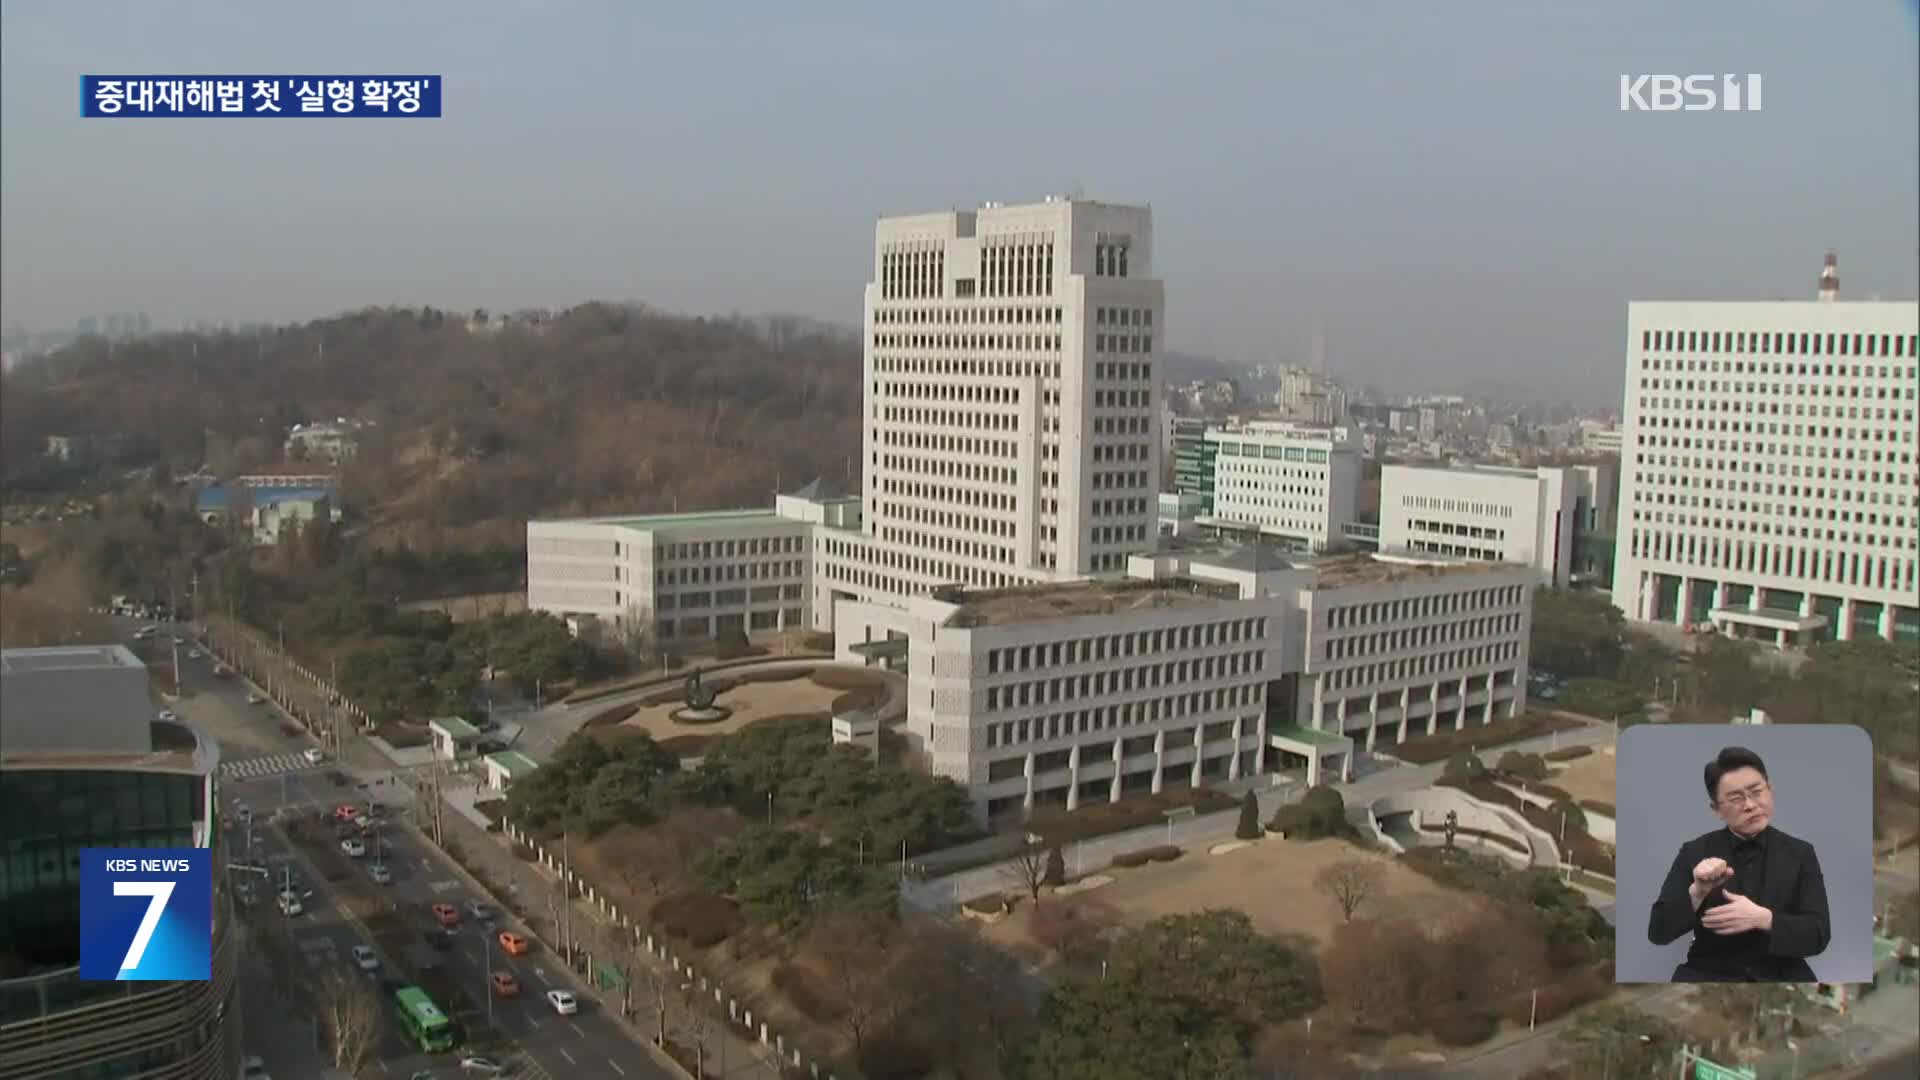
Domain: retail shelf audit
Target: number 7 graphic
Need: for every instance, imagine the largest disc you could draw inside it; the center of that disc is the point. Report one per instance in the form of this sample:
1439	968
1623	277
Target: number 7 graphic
158	893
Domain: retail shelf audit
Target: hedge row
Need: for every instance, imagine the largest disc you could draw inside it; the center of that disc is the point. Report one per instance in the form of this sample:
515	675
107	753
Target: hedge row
701	919
1568	753
686	746
610	717
864	700
987	905
1158	853
775	675
840	678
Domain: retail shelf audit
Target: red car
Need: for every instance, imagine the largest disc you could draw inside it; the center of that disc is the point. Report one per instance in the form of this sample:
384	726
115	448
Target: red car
446	915
345	812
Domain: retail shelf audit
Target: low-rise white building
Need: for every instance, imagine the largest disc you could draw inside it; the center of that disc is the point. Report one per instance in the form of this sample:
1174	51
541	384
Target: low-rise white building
1200	667
1297	482
1495	513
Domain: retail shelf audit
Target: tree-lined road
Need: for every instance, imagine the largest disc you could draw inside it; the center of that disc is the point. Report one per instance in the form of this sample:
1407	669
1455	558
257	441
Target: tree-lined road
544	1044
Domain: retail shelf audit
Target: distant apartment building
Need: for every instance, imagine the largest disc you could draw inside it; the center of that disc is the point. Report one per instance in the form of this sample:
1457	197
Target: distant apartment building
1297	483
279	512
85	449
1768	467
1533	517
1309	397
1193	461
1599	438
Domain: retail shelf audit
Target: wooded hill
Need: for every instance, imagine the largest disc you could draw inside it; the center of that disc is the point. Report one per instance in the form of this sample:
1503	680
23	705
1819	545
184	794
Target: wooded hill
599	409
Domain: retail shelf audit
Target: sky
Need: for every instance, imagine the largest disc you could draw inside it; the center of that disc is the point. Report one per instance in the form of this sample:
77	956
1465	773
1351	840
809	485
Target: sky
1451	189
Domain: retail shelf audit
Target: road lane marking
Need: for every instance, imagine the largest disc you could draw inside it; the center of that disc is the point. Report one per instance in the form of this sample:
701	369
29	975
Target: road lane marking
576	1029
616	1067
564	1054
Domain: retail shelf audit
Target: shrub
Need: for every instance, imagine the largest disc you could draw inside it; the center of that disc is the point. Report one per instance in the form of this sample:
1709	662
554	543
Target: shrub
1568	753
731	644
1056	872
987	905
840	678
817	641
701	919
686	746
1524	766
807	993
1322	811
610	717
1464	765
1464	1029
1249	826
1127	859
1576	817
1162	853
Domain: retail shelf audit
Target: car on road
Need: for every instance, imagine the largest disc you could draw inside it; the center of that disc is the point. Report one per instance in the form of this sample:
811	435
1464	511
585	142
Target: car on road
505	985
365	958
563	1002
243	894
178	640
146	632
474	1063
346	812
439	939
513	944
254	1068
364	822
353	847
193	654
242	813
478	911
289	903
167	715
446	915
314	755
423	1074
380	874
221	671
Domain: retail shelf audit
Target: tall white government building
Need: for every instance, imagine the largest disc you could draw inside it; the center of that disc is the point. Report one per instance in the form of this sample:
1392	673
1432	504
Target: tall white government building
1533	516
1768	467
1004	551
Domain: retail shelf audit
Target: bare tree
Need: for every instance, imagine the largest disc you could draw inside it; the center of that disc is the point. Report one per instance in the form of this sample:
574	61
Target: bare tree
861	956
697	1020
350	1017
656	975
972	1001
1351	883
1027	869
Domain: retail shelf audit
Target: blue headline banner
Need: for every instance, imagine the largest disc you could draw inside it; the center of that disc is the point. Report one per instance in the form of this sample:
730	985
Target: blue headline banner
146	913
122	96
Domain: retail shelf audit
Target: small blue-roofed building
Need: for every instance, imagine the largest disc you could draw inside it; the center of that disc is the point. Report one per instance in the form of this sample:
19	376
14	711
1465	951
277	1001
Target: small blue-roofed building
277	510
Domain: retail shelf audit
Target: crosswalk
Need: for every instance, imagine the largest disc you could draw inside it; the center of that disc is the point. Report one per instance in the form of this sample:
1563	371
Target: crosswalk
264	765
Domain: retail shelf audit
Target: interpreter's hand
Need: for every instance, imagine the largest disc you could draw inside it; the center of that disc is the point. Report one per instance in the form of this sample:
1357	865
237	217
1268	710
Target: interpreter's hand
1737	916
1708	873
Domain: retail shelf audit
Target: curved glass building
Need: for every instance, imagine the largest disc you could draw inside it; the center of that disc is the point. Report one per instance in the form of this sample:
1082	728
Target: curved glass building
85	763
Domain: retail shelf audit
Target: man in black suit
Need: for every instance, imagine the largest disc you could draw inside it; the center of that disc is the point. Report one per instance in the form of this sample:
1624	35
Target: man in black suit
1751	895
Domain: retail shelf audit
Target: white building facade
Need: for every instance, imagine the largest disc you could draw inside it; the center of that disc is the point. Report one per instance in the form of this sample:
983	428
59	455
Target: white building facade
1768	481
1296	482
1495	513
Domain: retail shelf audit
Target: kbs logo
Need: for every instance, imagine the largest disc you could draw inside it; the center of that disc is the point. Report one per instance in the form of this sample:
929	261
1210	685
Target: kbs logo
1689	93
146	913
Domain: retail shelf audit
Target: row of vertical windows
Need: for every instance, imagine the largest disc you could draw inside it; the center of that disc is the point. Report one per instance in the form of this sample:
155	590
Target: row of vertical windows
1777	343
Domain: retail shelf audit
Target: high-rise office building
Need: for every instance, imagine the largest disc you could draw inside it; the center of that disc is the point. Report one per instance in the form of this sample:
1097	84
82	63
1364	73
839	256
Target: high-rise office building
85	763
1768	473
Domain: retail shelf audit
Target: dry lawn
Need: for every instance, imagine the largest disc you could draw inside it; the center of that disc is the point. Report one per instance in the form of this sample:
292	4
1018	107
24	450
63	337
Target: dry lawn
474	607
1590	777
749	701
1272	881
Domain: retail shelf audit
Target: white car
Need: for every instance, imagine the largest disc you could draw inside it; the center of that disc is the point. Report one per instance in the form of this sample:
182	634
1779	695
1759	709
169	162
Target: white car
562	1002
365	959
242	813
254	698
193	654
167	715
314	755
254	1068
353	847
290	903
474	1063
380	874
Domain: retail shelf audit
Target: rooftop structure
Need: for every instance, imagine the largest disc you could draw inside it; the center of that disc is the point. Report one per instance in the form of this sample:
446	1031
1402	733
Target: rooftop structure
1066	600
1340	571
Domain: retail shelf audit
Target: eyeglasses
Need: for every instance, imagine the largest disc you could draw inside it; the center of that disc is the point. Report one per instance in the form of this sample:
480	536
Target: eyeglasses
1740	799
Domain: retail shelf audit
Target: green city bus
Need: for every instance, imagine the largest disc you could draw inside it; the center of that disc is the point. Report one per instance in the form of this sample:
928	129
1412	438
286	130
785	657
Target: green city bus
426	1026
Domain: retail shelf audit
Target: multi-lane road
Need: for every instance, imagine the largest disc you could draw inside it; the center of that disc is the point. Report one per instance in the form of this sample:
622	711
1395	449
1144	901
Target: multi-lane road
267	770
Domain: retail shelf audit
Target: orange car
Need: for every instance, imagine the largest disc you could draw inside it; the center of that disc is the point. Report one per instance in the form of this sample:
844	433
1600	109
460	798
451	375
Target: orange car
505	985
446	915
513	943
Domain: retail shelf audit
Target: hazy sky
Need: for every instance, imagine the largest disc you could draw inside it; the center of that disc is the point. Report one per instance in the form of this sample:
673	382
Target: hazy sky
1451	187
